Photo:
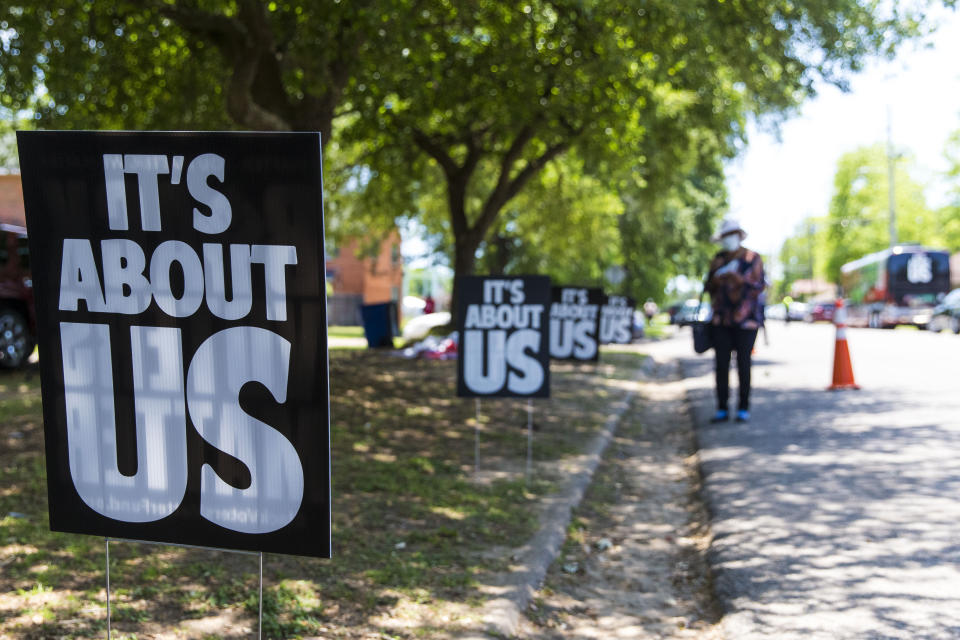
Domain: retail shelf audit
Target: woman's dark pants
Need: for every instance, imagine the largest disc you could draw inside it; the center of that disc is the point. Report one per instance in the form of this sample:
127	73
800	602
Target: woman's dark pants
725	341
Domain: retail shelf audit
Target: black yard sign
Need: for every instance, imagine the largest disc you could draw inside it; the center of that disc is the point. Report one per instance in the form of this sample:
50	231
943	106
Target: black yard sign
575	323
182	331
504	336
616	320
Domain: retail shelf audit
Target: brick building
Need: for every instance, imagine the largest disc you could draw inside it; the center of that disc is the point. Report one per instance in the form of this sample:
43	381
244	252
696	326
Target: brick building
378	278
358	279
11	198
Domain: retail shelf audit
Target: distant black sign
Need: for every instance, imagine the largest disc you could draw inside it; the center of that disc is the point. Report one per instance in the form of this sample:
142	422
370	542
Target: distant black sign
917	276
575	323
616	320
504	336
181	312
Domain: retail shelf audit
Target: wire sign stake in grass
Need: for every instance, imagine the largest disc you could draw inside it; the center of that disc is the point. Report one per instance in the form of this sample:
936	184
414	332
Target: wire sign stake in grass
476	442
529	468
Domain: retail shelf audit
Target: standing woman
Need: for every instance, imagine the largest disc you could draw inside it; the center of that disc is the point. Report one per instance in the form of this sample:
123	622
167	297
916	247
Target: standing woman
735	282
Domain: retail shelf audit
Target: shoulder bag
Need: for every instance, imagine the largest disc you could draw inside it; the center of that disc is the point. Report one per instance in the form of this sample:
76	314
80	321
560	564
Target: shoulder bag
702	332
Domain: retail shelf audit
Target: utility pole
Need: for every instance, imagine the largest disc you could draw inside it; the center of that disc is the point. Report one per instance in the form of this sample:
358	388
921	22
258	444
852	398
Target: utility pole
891	160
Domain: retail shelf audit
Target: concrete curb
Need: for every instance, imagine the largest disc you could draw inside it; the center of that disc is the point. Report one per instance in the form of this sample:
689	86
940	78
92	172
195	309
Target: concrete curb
501	616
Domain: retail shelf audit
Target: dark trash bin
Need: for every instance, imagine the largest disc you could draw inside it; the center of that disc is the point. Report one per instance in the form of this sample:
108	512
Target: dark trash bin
379	324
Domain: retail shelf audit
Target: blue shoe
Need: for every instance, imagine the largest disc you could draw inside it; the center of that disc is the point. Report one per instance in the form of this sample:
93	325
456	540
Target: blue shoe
720	416
743	415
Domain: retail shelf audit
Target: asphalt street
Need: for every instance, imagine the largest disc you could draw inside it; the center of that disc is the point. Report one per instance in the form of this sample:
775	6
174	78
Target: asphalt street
835	514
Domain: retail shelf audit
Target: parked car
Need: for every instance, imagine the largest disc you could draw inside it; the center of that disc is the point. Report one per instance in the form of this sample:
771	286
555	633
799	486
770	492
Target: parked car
798	310
775	312
18	322
418	328
672	311
946	315
821	312
693	311
412	306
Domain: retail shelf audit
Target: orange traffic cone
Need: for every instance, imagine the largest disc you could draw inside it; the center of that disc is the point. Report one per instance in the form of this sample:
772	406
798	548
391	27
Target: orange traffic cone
842	369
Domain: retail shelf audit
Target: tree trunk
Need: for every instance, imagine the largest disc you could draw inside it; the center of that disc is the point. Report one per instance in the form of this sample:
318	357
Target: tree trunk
467	237
464	263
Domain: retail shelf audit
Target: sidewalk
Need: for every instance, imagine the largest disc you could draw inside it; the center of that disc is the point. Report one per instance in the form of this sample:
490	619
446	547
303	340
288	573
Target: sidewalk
833	514
634	564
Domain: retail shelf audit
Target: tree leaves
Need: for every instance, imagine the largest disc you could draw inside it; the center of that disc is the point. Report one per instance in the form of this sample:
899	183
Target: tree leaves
858	220
455	112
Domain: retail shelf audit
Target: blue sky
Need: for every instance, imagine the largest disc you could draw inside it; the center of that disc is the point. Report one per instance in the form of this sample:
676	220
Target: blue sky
775	183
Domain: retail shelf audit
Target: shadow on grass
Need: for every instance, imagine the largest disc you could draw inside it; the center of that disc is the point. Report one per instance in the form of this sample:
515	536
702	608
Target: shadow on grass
413	524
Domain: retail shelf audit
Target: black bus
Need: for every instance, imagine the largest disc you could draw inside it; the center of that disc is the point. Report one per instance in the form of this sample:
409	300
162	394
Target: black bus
898	286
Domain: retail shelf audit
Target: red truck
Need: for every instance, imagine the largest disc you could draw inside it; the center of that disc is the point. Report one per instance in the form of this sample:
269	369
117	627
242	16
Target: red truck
18	320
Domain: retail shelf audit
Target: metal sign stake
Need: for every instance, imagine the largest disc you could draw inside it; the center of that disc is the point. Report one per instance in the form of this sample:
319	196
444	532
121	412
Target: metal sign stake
107	542
529	439
476	443
260	616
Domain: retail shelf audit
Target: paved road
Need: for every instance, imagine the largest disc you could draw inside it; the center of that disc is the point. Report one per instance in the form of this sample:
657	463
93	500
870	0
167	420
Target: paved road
836	514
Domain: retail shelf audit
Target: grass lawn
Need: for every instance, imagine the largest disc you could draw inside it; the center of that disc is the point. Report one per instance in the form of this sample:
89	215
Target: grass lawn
355	339
345	332
659	327
417	533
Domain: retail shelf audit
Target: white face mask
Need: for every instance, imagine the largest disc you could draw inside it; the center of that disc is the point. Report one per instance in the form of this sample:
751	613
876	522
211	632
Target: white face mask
730	242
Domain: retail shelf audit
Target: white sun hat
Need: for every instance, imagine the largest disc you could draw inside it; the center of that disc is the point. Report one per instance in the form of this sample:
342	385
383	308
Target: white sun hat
729	225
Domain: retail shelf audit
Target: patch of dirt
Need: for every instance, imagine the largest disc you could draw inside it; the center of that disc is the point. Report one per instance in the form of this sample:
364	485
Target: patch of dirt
634	563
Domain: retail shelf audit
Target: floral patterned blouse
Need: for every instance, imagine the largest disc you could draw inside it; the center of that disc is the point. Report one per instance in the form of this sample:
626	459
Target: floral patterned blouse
736	301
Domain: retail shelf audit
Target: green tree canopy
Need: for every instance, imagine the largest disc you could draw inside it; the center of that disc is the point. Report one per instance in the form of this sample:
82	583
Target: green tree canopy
803	255
565	224
499	92
478	98
184	64
949	215
8	140
858	220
